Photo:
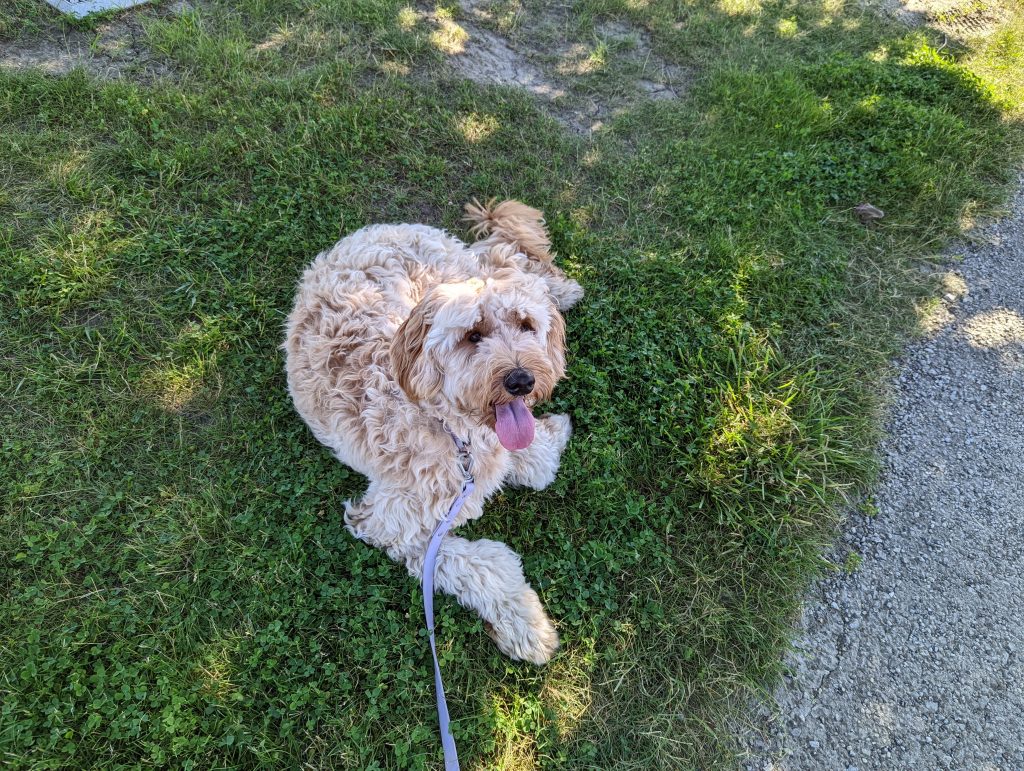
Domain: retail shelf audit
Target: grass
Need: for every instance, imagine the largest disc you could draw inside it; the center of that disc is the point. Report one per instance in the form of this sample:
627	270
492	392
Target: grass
22	17
177	587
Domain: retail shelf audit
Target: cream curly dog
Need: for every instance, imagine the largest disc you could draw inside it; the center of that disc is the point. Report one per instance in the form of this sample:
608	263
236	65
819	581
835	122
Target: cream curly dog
398	330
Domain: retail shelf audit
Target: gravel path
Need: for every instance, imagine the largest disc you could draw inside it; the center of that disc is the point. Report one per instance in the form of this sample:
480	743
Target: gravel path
916	660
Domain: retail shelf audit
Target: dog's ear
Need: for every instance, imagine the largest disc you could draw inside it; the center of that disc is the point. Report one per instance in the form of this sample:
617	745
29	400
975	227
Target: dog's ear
414	373
556	341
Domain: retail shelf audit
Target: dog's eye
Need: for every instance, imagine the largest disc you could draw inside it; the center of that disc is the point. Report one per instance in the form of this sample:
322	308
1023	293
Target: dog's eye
474	337
526	325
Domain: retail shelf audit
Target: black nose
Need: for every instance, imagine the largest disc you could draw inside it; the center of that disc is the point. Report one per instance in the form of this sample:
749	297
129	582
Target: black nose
519	382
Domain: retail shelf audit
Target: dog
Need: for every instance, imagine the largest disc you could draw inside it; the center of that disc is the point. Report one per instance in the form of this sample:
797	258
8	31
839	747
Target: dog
401	334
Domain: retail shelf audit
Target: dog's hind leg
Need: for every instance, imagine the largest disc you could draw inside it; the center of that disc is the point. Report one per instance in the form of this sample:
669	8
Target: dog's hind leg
536	466
486	576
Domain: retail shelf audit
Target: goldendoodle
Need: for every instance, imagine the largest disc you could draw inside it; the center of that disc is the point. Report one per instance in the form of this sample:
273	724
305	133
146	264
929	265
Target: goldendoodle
401	334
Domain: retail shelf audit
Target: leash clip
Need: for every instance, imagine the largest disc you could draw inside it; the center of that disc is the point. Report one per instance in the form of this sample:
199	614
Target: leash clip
462	454
465	463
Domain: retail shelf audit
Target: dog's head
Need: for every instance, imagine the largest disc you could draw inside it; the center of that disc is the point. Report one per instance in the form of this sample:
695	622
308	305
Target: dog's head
487	348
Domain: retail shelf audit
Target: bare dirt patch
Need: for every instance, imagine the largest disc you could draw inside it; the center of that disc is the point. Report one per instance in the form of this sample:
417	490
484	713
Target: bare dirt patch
489	58
957	19
581	79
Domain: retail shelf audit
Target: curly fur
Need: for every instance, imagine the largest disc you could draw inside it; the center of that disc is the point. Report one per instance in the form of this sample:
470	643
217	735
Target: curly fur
380	349
522	227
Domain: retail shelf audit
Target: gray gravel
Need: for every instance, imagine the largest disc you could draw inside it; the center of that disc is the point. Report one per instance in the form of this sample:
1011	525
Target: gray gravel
916	660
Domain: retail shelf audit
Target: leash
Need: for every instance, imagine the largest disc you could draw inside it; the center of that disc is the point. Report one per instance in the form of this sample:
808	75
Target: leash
451	757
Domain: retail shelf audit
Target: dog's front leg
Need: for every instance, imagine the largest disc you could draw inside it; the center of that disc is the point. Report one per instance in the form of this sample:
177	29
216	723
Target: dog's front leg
536	466
484	575
487	576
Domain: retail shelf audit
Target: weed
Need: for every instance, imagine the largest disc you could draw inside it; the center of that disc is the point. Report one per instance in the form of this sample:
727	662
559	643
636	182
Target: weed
851	563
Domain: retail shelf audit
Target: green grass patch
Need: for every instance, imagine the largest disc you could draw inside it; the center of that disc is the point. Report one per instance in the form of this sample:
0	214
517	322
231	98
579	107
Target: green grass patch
178	588
23	17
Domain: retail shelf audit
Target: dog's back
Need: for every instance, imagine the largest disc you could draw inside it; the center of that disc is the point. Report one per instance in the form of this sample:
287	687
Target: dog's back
349	304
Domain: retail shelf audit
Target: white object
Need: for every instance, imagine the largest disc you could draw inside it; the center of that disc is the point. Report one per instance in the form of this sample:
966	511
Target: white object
82	8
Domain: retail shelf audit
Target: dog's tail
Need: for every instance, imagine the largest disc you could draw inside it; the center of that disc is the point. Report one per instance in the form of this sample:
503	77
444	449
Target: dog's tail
513	223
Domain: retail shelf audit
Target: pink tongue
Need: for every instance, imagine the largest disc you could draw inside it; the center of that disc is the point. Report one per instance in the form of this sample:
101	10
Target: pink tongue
514	425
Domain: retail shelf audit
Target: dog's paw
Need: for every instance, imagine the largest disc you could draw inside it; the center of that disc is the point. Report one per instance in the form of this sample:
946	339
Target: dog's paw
525	633
536	466
560	427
